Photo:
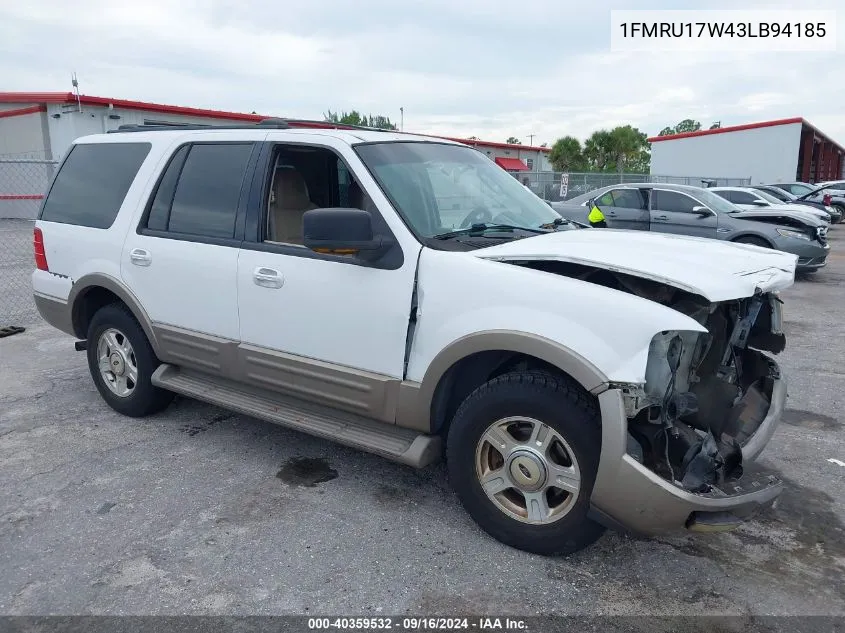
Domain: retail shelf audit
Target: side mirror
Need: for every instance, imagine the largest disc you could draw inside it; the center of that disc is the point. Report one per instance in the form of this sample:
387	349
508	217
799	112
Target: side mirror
702	211
342	232
760	203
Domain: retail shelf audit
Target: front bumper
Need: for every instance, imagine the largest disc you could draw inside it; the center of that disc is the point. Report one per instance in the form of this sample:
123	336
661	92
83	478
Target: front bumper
629	496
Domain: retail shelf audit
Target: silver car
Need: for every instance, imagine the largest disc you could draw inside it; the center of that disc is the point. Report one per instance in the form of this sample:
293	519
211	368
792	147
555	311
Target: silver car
696	211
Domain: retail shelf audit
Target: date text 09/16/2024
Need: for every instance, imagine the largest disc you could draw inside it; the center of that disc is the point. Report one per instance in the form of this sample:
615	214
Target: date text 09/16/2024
417	624
723	29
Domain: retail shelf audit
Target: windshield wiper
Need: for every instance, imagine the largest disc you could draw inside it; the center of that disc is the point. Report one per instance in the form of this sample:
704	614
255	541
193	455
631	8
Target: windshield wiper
483	227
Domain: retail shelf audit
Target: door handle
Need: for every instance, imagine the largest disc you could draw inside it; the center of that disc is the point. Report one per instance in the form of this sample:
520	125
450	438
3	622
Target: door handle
140	257
268	278
661	217
611	213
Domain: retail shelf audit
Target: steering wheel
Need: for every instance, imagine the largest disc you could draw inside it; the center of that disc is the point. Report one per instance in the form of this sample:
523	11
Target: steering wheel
478	215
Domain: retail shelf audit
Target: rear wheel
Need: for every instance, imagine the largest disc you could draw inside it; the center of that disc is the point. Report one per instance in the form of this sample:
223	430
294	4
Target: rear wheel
122	363
522	452
750	239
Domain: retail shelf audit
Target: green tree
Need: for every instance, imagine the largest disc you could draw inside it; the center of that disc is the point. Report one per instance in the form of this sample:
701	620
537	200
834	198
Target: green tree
687	125
512	140
598	151
716	125
567	154
630	148
356	118
622	149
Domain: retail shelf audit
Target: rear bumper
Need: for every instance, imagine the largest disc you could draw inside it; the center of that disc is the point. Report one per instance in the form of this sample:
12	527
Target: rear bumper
54	311
630	496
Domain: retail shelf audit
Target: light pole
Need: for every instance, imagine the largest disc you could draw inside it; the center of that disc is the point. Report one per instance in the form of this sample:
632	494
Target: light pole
401	119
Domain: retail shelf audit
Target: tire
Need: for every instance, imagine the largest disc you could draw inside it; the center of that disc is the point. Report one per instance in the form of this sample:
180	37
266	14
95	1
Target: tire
750	239
555	403
841	210
115	323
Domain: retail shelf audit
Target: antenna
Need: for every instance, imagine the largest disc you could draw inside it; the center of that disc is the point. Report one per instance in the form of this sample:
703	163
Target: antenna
75	83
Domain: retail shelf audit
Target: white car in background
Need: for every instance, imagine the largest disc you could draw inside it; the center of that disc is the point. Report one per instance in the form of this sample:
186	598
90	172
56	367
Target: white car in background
751	198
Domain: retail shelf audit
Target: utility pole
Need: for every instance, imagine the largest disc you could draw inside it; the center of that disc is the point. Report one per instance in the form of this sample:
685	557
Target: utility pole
401	119
531	139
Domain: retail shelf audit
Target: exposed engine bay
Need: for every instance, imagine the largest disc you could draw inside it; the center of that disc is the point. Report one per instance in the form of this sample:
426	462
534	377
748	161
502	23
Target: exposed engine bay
705	394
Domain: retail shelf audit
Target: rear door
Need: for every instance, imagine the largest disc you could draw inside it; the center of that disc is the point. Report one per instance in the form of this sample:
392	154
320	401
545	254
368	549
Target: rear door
624	208
675	212
182	260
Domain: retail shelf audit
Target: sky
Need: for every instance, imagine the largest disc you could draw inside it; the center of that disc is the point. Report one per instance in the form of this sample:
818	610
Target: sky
486	68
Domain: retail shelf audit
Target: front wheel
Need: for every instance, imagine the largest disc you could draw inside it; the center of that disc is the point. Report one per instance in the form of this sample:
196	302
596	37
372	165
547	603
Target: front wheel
841	211
522	453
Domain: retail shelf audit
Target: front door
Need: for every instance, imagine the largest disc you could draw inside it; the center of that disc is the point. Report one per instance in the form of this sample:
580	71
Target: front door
676	212
182	260
325	328
624	208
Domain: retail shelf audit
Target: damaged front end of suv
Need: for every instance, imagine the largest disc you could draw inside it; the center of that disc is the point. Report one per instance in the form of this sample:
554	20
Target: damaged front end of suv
698	417
676	447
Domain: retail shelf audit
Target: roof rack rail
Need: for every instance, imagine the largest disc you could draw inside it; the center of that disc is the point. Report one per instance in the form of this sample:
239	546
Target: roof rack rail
269	123
277	124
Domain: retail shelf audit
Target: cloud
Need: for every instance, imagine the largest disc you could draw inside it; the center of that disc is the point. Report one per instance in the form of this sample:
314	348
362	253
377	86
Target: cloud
487	68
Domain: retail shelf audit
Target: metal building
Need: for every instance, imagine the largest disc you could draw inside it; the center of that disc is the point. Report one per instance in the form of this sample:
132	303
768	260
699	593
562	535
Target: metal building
784	150
42	125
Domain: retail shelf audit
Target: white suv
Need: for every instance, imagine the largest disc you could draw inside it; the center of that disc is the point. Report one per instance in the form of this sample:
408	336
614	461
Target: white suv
406	296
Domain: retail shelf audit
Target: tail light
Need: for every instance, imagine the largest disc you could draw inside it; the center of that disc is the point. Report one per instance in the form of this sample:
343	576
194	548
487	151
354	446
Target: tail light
826	200
38	248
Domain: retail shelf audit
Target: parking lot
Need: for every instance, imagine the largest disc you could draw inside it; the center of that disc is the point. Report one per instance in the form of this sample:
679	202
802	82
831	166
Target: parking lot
197	510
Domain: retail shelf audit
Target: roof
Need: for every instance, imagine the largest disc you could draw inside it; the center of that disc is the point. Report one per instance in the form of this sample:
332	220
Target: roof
511	164
70	98
744	127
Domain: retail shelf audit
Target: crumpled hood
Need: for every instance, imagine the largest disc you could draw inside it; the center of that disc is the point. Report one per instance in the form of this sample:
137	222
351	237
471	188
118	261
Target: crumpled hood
780	212
718	271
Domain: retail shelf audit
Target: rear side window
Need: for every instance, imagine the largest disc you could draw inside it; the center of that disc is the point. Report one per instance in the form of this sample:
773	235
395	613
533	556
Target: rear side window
92	183
199	192
628	199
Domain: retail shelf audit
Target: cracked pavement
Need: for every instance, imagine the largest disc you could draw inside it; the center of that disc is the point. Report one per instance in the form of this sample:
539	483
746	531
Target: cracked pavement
201	511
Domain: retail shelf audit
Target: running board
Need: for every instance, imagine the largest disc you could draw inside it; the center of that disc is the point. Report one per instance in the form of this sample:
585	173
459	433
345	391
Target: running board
395	443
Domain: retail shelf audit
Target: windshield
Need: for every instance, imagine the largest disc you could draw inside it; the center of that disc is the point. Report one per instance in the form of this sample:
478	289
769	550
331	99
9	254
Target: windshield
802	189
767	196
715	202
438	188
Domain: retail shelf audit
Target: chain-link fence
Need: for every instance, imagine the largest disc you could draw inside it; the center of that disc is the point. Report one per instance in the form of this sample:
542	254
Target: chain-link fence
547	184
22	186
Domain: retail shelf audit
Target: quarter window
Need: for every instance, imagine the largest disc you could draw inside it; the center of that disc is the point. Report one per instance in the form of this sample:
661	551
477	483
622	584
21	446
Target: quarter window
92	183
743	197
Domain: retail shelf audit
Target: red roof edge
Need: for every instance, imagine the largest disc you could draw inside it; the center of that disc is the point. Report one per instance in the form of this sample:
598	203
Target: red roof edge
730	128
21	111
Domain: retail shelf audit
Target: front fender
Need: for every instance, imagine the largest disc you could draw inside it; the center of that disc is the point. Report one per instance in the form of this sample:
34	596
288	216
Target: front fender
467	305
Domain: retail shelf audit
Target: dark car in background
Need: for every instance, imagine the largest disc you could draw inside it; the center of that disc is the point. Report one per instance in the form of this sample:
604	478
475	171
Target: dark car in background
832	194
790	198
687	210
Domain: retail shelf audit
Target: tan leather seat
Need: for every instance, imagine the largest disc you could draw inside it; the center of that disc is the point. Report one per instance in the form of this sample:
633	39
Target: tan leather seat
290	202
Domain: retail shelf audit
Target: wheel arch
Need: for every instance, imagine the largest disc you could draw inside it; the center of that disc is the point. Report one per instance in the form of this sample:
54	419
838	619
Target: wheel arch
758	236
91	292
471	360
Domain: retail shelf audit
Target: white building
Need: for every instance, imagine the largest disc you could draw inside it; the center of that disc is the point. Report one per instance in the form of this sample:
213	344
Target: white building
40	126
785	150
